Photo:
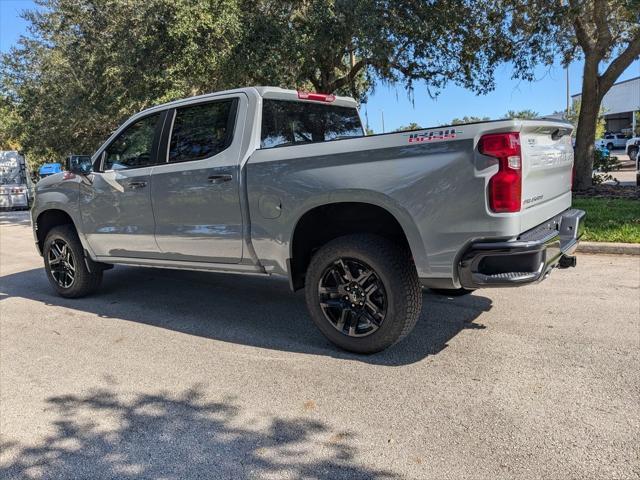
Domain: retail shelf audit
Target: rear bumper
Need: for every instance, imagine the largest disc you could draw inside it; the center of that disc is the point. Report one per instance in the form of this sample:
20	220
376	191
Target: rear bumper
14	200
528	259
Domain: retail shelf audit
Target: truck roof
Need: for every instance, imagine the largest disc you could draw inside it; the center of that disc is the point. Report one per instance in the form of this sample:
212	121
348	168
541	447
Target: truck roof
264	92
285	94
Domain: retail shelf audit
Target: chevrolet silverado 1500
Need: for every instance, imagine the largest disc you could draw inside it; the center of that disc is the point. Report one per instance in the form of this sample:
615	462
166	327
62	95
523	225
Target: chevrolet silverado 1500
269	181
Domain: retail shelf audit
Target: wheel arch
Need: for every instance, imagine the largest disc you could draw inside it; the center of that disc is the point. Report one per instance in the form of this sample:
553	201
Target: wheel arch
344	215
48	219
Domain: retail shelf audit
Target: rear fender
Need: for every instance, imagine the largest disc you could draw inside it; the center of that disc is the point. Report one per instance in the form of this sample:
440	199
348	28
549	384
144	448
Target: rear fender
374	198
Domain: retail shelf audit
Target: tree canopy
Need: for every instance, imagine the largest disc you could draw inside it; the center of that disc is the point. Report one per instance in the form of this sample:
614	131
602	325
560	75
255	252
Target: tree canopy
88	64
526	114
605	34
468	119
411	126
344	45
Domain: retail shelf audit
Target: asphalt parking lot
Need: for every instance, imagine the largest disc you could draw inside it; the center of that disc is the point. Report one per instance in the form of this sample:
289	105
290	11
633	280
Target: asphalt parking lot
178	375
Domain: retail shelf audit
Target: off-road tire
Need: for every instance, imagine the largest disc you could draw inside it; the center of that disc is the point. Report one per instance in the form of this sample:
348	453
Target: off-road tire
85	281
395	269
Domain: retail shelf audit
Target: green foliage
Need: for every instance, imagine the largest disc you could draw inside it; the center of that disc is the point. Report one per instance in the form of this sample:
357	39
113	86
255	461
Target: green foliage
411	126
8	121
345	45
471	119
522	114
605	34
603	164
610	220
540	31
88	64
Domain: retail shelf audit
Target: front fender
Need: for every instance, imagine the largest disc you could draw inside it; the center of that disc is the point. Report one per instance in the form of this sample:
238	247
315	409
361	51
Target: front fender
58	193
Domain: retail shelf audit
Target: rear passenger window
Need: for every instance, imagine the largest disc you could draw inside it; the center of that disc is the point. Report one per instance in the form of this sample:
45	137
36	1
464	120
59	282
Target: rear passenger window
294	123
202	131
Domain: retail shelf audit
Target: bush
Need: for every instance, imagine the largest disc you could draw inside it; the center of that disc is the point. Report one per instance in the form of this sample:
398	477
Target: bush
603	163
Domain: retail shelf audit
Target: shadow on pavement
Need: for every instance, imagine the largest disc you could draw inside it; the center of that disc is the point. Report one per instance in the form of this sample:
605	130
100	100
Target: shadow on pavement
164	436
247	310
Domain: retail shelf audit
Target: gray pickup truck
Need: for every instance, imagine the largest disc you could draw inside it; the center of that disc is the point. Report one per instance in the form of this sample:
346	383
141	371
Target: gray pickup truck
267	181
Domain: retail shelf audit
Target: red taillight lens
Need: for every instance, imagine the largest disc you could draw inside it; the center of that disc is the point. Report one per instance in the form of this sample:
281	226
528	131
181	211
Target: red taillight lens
319	97
505	192
505	187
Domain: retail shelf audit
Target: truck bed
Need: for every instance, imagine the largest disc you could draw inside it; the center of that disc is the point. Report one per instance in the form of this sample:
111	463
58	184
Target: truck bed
434	181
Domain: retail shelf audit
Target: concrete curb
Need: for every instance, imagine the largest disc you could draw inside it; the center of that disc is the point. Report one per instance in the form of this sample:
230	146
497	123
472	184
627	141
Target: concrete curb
609	248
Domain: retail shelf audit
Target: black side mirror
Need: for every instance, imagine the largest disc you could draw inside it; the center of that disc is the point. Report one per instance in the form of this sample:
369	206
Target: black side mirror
79	164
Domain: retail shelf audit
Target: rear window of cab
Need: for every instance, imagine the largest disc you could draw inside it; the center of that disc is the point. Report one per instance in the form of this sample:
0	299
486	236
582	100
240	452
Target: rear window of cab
286	123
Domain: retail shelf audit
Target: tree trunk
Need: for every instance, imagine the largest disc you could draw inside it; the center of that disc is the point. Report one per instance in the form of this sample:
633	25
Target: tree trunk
587	122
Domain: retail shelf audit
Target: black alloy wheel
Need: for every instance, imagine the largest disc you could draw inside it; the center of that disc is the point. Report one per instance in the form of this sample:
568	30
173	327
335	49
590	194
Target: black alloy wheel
363	292
352	297
62	263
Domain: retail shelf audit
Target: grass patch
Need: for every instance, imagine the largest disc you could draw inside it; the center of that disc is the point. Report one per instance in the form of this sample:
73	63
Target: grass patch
610	220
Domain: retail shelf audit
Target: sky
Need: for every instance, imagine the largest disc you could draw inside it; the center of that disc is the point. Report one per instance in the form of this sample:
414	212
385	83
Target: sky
545	95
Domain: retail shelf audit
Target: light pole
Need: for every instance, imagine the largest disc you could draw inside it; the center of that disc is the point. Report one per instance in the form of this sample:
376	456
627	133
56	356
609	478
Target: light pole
568	95
382	115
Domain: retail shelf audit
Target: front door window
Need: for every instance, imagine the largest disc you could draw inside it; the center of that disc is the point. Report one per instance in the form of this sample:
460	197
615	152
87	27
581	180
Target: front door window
133	148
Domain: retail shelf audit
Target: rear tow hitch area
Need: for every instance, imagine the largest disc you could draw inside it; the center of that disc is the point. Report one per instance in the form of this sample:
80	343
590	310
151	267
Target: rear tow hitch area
567	261
527	259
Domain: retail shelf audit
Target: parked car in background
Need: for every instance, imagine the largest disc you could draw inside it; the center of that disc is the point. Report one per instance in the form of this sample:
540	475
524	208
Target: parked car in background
604	151
49	169
16	188
613	141
631	148
266	181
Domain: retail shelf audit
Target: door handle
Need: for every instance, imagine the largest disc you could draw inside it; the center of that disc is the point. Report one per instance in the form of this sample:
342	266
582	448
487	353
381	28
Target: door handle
215	179
135	185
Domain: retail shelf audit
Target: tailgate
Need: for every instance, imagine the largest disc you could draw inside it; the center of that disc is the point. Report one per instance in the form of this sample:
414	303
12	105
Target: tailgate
547	164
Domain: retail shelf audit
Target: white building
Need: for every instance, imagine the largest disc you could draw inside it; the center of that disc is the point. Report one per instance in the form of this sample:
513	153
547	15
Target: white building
620	105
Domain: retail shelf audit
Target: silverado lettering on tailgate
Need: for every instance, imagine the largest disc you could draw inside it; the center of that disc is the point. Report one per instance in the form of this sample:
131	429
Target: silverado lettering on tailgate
548	159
